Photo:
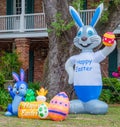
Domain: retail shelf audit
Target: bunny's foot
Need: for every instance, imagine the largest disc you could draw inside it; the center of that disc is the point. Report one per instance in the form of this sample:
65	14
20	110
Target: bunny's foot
9	110
76	107
96	107
8	113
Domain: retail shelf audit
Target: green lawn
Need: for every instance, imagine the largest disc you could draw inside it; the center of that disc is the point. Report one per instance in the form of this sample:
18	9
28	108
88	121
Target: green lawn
111	119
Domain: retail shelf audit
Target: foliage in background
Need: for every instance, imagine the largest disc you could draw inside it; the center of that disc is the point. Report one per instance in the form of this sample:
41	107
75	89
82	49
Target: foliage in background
107	8
60	25
34	86
2	80
5	99
111	90
78	4
8	63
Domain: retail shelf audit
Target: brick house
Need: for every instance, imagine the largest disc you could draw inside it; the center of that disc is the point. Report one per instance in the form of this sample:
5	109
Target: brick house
22	27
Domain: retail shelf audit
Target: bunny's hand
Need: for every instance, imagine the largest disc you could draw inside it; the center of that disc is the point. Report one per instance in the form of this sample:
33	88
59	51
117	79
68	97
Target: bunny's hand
10	89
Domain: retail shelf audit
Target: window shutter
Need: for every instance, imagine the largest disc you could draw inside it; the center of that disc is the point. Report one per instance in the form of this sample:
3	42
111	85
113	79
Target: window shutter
112	62
30	6
9	7
31	66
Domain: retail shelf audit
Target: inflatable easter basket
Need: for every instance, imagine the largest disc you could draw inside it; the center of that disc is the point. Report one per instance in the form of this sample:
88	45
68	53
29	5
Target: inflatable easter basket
35	109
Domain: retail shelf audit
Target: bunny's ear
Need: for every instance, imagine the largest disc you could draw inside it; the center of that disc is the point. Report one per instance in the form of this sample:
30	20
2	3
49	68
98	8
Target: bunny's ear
15	76
97	15
75	16
22	75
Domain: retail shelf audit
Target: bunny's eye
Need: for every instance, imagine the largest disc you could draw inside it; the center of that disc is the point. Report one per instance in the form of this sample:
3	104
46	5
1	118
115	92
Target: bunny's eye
90	32
21	87
79	33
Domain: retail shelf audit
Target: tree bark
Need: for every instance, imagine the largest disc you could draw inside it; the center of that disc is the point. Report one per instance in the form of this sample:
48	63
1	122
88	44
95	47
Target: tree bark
60	48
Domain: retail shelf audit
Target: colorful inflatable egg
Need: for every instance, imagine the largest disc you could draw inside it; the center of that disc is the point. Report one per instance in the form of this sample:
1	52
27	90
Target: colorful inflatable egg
59	107
108	39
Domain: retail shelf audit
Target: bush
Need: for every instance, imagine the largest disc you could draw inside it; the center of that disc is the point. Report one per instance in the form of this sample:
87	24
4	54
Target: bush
34	86
111	90
5	99
8	63
2	80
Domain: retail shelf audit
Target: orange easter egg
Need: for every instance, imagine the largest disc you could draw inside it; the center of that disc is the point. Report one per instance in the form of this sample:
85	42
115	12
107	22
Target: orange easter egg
59	107
108	39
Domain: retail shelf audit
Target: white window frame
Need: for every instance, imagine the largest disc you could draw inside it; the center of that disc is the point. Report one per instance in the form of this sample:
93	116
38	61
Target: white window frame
15	8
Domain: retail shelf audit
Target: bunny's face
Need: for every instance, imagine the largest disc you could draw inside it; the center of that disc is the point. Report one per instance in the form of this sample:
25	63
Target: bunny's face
20	88
87	38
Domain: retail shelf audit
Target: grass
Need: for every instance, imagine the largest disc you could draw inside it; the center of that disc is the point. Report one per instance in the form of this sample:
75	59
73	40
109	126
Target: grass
111	119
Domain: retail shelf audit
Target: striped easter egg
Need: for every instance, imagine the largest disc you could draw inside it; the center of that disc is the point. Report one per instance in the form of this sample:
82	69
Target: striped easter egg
59	107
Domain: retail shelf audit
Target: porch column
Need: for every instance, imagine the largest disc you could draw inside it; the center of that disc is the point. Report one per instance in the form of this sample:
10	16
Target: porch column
22	48
22	16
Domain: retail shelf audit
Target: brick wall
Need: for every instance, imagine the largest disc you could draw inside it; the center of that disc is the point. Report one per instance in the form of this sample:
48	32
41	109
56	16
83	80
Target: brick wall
38	66
22	48
2	7
38	6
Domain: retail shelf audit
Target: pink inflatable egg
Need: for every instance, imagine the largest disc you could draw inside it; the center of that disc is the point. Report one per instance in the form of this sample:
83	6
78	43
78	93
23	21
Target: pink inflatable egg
59	107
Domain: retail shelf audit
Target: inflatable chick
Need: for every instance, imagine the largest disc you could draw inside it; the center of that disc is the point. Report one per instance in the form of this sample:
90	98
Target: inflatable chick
84	69
41	94
17	93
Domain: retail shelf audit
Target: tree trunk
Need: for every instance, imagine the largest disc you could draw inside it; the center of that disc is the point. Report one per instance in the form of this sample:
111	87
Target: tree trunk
60	48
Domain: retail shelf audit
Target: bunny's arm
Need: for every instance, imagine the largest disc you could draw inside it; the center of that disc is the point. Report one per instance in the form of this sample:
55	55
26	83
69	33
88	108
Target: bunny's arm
70	70
108	49
103	53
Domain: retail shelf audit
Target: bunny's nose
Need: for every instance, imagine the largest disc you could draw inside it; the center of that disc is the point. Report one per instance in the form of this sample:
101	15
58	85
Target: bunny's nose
84	38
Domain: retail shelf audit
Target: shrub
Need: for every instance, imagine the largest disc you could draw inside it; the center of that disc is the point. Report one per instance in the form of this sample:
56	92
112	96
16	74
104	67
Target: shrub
8	63
5	99
111	90
34	86
2	80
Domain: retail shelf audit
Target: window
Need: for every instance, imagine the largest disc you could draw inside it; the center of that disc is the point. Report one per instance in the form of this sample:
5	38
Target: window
18	6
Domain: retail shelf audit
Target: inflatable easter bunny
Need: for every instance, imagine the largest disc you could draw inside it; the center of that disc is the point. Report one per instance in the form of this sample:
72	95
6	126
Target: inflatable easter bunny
17	93
84	69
